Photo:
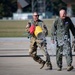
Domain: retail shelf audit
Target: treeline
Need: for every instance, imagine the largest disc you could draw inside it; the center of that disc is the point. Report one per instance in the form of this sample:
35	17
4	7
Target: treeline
7	7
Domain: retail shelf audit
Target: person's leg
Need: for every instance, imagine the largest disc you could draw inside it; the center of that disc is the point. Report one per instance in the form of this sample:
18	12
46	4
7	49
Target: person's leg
33	53
59	53
43	47
68	55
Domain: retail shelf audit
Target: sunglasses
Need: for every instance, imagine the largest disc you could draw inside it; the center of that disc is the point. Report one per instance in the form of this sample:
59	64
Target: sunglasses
35	15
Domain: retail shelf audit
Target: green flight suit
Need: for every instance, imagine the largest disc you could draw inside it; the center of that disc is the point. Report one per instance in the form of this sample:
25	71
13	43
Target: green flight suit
61	33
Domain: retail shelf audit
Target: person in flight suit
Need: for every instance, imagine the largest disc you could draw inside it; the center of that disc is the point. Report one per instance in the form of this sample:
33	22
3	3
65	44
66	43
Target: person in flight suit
38	41
73	45
60	33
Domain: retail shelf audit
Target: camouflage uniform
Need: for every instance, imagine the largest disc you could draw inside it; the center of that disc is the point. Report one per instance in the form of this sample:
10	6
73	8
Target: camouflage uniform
60	32
73	45
34	43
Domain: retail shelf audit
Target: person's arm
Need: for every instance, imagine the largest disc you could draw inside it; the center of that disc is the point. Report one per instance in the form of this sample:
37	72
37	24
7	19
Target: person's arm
45	30
53	30
72	28
27	27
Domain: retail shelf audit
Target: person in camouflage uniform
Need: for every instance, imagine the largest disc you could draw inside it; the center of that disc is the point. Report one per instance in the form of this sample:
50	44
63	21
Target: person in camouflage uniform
41	43
60	33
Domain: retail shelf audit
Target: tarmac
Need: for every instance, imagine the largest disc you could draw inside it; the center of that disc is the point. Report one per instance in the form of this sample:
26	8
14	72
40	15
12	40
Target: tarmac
15	59
20	46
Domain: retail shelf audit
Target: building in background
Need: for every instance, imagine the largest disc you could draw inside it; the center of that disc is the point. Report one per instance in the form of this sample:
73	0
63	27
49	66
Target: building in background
21	4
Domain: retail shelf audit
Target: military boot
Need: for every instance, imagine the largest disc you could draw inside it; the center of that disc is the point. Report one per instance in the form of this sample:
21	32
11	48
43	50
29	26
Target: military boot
59	69
69	68
49	66
42	64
